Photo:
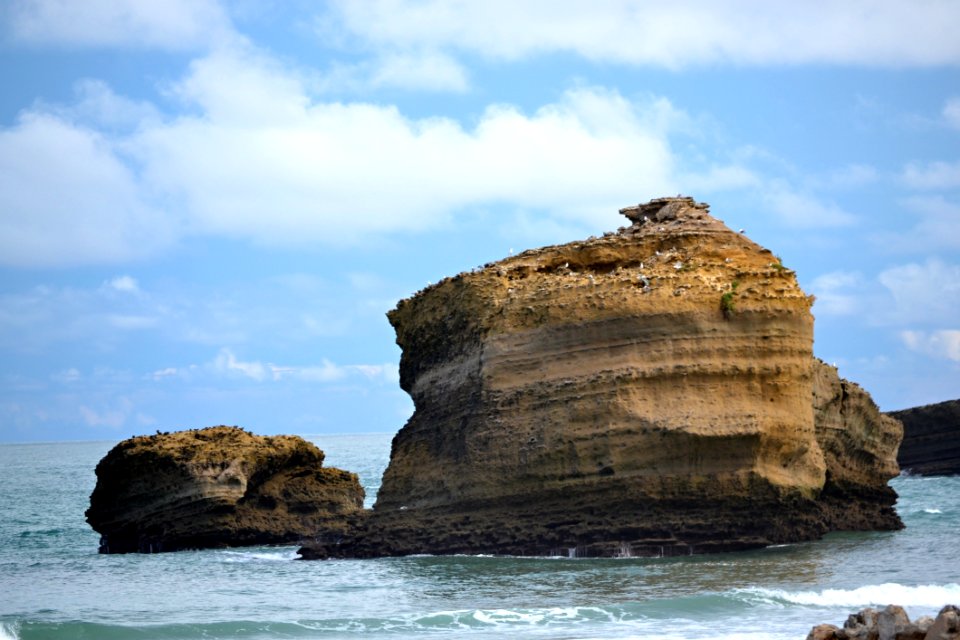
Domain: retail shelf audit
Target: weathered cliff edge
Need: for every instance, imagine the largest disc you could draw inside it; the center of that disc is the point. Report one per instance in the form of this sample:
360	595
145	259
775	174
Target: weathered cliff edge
892	623
217	487
650	392
931	439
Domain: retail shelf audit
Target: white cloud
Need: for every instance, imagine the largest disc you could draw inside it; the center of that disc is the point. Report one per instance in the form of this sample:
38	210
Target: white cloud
66	198
675	34
936	344
170	25
166	372
126	284
423	71
926	294
114	415
933	175
935	226
265	162
837	293
951	112
804	211
226	362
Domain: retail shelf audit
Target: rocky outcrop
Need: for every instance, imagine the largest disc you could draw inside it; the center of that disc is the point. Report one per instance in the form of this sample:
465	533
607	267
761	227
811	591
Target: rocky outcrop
217	487
931	439
859	445
649	392
892	623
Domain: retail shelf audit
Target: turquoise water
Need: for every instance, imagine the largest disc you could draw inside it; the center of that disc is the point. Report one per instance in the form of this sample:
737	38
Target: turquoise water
53	584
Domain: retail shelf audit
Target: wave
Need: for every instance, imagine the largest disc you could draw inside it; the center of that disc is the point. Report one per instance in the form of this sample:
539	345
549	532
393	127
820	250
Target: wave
285	555
573	622
880	594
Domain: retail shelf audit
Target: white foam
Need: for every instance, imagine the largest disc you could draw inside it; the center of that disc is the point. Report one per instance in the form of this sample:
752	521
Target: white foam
932	511
9	631
255	556
880	594
532	616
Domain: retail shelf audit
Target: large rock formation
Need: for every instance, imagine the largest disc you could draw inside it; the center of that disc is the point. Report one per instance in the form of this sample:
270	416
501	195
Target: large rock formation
217	487
931	439
648	392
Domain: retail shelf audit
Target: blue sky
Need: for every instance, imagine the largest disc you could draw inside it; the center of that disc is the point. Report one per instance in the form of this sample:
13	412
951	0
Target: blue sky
206	208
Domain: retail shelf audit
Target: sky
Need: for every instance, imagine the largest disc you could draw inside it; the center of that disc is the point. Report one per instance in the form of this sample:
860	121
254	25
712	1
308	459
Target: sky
207	207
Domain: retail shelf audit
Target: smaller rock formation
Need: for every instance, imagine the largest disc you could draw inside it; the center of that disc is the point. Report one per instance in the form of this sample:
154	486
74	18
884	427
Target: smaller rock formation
931	439
892	623
217	487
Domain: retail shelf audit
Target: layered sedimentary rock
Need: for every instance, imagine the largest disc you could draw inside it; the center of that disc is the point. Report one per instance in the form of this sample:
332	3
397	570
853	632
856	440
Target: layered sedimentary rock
931	439
859	445
647	392
216	487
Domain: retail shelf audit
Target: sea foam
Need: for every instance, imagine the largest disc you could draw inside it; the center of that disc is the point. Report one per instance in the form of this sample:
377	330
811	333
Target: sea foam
880	594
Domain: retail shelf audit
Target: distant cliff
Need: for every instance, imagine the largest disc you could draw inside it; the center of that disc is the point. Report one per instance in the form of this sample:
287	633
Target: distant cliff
931	439
649	392
217	487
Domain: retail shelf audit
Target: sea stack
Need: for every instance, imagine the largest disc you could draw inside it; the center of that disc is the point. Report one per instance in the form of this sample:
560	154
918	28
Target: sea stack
649	392
217	487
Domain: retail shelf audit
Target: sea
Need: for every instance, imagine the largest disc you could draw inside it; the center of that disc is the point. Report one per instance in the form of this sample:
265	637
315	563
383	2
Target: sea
54	584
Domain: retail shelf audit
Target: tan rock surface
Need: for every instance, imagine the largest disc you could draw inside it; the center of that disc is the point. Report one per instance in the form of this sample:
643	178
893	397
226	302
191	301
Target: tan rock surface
646	392
215	487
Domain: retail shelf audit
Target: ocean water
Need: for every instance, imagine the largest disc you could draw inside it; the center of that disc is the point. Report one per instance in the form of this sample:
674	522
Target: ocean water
53	584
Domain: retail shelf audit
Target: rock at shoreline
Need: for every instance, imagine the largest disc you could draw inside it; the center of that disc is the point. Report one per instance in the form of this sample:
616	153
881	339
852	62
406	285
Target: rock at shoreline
217	487
892	623
649	392
931	439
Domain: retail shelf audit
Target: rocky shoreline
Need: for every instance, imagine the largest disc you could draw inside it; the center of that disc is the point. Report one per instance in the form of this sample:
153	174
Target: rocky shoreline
892	623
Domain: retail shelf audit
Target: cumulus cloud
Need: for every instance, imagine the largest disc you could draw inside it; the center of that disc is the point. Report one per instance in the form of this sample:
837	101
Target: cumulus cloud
169	25
277	167
936	344
932	175
923	294
67	198
675	34
837	293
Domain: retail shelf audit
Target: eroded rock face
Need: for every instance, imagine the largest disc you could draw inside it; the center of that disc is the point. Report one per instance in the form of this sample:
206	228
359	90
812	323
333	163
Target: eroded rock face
931	439
649	392
217	487
860	446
